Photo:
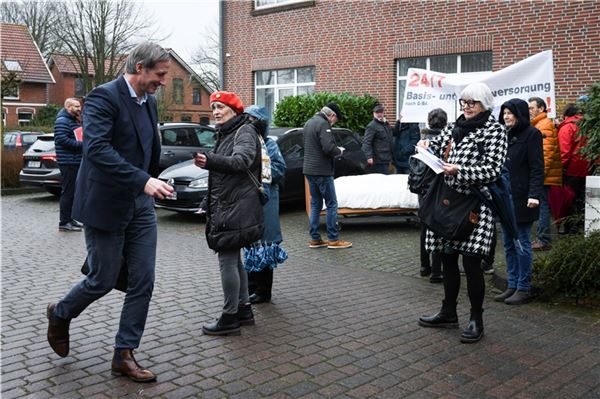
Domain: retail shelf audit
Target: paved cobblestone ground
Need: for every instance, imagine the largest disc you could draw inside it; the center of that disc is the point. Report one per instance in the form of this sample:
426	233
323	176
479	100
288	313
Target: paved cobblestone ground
342	324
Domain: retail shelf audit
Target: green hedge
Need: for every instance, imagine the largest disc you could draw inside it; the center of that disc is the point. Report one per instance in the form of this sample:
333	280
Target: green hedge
294	111
571	269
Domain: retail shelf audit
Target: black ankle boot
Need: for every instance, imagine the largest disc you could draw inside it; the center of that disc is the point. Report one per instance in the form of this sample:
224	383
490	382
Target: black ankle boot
245	315
227	324
425	271
474	331
446	318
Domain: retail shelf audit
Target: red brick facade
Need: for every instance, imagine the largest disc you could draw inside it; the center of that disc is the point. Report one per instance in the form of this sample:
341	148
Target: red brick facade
354	44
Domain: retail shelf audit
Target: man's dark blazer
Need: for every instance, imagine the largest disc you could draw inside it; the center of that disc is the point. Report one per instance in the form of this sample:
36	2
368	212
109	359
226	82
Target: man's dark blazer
111	173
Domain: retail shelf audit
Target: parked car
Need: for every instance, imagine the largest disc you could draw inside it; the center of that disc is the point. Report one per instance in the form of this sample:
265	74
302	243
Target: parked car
180	140
40	167
191	182
20	140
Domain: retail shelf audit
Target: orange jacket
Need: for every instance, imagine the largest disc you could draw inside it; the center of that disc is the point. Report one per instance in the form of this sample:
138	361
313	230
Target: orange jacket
553	169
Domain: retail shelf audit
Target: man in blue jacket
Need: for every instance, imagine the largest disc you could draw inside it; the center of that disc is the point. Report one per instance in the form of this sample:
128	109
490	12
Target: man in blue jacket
406	136
68	156
114	200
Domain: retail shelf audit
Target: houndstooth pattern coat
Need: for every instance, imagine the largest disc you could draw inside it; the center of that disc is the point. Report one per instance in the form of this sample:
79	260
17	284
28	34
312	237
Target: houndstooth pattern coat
475	167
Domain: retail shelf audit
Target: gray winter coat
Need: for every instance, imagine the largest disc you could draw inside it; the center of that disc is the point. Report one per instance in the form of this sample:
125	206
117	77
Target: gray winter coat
320	149
379	142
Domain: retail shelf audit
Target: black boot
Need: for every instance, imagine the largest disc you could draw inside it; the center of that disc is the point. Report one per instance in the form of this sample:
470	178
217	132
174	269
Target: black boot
227	324
474	331
425	271
446	318
245	315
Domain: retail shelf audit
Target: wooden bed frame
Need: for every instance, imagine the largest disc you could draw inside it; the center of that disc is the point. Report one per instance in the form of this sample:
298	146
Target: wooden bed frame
354	211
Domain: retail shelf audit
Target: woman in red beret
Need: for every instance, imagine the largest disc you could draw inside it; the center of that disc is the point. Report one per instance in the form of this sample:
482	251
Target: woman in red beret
234	213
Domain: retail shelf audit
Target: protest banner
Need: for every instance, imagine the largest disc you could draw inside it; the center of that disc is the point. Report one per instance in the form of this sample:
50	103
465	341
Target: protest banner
426	90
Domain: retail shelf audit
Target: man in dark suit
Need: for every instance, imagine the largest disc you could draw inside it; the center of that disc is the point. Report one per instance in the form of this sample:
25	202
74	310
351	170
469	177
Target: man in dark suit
114	199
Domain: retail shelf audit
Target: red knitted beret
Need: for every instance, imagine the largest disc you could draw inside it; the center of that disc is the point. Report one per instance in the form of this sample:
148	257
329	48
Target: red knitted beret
229	99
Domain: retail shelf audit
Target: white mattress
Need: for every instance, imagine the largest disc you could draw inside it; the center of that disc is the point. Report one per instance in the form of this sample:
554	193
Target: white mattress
374	191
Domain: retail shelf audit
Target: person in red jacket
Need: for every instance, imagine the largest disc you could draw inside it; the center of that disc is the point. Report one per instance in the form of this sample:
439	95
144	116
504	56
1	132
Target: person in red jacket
575	166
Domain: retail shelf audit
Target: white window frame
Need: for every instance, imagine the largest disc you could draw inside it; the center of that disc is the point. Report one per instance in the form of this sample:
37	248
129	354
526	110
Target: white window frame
22	110
276	87
277	3
427	67
13	66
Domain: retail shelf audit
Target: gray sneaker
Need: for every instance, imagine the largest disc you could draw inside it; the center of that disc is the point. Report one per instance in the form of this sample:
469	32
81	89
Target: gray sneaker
68	227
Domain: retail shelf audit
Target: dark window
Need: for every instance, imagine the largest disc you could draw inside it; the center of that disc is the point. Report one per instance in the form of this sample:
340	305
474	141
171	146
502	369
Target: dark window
178	91
79	87
292	146
186	118
29	138
196	96
347	140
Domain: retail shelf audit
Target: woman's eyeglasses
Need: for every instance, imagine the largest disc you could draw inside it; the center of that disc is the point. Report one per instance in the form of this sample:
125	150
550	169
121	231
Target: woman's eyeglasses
467	103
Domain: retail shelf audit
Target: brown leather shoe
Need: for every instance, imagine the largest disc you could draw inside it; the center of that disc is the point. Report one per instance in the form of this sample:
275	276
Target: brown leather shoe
124	364
58	332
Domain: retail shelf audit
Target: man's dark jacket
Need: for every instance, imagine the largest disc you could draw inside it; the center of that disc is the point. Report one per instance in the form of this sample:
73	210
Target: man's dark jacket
111	173
378	142
68	149
320	149
406	136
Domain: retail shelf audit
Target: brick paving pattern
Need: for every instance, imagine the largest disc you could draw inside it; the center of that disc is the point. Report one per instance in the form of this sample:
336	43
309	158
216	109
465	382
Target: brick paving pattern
342	324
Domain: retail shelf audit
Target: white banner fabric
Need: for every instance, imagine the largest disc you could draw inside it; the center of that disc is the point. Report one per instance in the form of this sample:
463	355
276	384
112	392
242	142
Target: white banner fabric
426	90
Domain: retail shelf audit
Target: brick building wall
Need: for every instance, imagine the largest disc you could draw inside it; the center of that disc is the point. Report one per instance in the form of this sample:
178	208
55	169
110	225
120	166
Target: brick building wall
354	44
32	96
64	87
187	108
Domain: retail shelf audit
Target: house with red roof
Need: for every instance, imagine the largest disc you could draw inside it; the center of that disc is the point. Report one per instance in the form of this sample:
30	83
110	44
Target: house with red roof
21	60
184	98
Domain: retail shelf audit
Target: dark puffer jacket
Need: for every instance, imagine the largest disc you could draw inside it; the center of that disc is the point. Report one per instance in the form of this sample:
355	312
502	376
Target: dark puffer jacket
68	149
525	161
234	212
320	150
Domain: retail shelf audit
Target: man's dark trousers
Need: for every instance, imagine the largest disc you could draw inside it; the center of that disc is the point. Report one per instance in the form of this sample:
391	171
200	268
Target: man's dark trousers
69	175
105	249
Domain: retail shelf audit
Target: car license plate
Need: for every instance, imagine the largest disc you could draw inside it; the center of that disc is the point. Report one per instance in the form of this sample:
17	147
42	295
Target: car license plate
173	196
34	164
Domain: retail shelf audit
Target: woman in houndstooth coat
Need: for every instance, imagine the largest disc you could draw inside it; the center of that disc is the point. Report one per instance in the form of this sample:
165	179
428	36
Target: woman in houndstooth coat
477	154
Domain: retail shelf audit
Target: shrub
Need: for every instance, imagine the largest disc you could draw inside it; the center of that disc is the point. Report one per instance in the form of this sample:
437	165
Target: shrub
46	116
294	111
571	268
590	124
12	162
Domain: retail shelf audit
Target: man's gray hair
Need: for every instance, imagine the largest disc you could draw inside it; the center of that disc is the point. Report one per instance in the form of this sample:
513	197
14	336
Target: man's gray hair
148	54
327	111
479	92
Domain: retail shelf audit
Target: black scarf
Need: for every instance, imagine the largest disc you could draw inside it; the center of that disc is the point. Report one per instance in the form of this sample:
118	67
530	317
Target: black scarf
464	126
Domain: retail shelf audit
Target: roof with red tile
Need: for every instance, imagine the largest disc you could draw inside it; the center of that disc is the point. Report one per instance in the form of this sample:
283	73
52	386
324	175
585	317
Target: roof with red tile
16	44
68	64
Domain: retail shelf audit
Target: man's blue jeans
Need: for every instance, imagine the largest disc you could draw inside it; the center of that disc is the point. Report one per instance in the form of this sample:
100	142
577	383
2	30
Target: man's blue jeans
322	188
137	243
543	225
518	264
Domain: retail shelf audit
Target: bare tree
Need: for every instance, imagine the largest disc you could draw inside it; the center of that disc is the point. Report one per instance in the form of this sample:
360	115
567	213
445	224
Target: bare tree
206	59
99	34
40	17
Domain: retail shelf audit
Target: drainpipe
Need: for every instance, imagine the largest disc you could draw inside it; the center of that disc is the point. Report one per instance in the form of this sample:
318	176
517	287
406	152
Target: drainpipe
221	45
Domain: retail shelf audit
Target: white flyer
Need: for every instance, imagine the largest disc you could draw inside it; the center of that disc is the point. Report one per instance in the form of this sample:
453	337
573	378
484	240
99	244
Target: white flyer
429	159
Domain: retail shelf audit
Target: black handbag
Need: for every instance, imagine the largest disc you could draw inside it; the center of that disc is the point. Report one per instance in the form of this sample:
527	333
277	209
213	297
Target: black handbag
121	280
447	212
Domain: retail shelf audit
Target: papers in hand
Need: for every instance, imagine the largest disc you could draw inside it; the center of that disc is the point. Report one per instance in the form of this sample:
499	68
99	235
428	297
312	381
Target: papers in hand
429	159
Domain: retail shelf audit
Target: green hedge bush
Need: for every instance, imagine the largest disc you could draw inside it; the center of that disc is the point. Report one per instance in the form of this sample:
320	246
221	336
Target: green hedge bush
571	269
46	116
590	124
294	111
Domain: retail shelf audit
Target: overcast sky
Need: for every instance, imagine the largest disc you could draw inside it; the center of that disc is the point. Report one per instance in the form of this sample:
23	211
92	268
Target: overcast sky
186	21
